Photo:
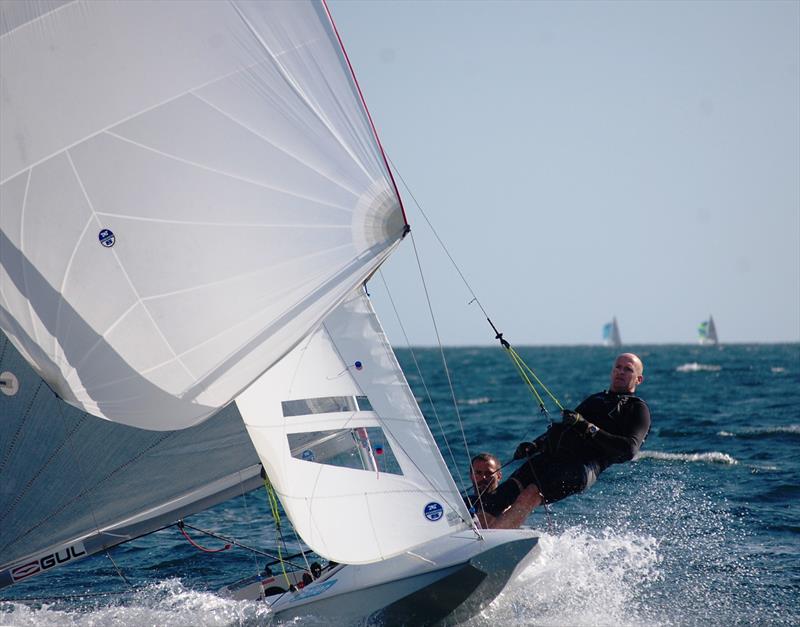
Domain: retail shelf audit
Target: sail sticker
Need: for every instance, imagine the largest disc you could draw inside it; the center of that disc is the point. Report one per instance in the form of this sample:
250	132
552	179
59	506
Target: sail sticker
358	365
434	511
47	561
308	455
107	238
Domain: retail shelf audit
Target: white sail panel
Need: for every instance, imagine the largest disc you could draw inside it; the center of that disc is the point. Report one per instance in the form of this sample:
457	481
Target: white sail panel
345	444
188	188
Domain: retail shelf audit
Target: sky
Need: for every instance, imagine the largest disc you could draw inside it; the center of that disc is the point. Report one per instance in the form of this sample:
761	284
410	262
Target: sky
583	160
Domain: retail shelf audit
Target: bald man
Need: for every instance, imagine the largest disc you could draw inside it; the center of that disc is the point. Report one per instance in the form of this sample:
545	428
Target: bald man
607	428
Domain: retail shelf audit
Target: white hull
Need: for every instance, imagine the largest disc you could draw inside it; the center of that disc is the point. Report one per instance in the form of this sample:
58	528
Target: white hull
445	581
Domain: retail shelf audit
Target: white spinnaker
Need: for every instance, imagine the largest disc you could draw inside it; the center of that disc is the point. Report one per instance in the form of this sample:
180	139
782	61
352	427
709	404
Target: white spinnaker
226	148
348	514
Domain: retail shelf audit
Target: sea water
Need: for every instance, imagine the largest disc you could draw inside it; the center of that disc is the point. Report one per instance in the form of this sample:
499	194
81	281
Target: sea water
702	528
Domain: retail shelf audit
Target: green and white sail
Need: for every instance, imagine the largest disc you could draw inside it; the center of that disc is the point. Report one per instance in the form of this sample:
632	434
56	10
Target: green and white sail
707	332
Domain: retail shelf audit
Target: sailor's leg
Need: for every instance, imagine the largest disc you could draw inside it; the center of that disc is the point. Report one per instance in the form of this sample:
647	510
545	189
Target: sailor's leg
520	509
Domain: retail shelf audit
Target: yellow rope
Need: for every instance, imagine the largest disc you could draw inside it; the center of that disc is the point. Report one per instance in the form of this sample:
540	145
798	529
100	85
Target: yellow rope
276	514
523	370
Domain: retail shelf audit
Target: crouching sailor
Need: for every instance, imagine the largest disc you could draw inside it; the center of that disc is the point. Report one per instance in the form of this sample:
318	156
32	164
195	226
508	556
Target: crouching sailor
607	428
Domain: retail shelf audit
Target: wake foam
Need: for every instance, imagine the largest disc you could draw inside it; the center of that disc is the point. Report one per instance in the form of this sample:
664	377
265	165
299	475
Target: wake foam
695	367
712	457
167	603
580	578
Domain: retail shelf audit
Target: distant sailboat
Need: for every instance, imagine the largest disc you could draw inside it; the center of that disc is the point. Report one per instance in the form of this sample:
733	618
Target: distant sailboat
707	332
611	336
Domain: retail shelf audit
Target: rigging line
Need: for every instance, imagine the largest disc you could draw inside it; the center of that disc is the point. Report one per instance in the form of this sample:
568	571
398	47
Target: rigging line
439	239
533	374
119	572
197	546
424	382
276	515
517	362
436	489
441	348
240	545
475	298
250	524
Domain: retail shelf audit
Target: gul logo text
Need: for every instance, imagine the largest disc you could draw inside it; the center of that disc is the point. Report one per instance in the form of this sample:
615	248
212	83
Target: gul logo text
45	562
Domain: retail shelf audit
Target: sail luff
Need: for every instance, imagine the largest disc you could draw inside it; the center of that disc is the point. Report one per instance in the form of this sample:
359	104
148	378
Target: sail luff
366	109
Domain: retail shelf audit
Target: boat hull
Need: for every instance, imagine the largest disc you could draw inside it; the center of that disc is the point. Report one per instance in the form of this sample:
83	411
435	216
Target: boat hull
444	582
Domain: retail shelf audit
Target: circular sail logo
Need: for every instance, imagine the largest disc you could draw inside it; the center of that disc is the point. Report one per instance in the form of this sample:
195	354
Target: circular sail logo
107	238
434	511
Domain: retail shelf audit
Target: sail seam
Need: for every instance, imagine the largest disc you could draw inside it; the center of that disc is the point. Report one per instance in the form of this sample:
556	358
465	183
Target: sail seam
85	491
230	175
94	346
126	275
324	175
298	90
123	120
26	415
37	18
55	453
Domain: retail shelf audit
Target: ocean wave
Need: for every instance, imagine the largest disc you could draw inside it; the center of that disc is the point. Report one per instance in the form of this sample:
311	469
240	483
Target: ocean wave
475	401
759	432
695	367
712	457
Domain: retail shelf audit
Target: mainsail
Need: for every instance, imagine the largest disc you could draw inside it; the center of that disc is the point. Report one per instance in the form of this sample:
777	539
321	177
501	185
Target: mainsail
73	484
346	446
187	189
611	336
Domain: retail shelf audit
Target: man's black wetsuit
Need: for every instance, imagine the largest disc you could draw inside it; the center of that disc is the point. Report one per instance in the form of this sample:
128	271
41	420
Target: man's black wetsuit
568	460
487	503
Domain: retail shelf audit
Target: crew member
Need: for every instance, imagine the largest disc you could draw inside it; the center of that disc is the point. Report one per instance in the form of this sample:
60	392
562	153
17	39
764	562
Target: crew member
607	428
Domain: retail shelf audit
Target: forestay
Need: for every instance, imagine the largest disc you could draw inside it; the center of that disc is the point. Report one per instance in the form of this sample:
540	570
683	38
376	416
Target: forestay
345	444
187	189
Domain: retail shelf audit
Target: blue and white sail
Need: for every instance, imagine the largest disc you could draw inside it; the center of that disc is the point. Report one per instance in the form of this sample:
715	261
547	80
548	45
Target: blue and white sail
611	336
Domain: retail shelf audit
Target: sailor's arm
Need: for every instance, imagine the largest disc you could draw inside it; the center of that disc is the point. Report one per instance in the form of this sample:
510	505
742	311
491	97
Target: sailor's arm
624	446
